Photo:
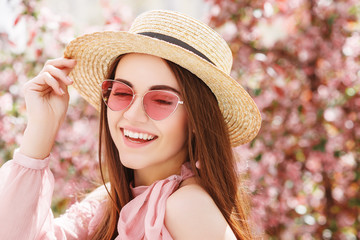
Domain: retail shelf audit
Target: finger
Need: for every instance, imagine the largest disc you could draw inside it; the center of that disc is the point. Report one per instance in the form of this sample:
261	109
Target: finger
62	63
58	74
53	83
67	70
63	87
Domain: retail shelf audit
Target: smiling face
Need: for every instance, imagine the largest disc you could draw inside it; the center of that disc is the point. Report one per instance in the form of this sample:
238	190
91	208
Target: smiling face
155	149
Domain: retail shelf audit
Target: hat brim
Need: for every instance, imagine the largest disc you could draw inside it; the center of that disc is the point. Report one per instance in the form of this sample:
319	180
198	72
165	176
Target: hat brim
95	52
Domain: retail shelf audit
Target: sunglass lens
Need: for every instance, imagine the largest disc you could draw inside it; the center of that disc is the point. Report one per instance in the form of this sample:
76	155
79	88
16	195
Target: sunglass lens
116	95
160	104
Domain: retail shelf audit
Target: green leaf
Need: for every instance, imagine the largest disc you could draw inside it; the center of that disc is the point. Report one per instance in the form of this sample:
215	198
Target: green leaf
321	146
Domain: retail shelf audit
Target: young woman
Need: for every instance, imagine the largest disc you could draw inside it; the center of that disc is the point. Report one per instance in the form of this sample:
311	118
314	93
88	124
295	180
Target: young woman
169	116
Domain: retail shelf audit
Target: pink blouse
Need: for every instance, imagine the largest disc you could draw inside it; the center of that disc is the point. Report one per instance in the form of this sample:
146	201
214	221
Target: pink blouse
26	187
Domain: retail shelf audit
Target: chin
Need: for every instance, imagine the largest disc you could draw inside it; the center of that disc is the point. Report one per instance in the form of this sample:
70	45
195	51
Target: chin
135	162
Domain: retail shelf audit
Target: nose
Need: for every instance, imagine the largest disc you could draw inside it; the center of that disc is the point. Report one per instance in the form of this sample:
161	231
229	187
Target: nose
135	112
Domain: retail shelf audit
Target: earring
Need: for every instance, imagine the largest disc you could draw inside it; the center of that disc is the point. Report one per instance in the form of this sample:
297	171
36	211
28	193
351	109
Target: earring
197	164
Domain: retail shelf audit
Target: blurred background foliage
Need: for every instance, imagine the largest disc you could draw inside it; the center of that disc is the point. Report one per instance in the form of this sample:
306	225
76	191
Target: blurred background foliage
299	59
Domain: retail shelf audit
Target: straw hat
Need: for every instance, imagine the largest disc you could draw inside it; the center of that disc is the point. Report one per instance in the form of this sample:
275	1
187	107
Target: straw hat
180	39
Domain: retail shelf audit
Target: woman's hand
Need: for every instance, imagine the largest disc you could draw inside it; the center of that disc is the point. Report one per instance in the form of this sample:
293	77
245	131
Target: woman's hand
47	100
46	95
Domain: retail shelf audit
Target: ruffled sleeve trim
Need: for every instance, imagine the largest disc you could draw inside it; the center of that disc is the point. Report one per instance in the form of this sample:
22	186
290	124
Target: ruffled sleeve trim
32	163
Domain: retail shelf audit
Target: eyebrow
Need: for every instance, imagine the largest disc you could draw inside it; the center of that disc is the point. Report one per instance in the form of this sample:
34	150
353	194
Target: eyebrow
155	87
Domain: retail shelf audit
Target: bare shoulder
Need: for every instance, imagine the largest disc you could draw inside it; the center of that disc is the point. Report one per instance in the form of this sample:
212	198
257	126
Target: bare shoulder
98	194
191	213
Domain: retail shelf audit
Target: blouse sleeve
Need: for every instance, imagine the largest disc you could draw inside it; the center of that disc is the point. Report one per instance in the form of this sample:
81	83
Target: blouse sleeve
26	188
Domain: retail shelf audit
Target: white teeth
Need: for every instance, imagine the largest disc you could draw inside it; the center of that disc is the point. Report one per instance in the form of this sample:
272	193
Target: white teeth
143	136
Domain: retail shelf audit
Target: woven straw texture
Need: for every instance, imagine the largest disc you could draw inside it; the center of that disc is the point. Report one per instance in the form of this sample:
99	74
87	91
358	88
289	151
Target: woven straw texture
94	53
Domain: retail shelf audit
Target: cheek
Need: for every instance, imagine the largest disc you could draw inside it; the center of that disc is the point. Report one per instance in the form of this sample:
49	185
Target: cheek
112	119
177	130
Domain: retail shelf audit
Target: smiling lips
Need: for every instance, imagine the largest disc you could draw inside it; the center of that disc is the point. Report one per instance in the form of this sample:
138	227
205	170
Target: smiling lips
137	137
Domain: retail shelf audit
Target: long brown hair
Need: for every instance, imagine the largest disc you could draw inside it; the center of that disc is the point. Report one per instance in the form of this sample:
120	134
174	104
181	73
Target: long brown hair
208	143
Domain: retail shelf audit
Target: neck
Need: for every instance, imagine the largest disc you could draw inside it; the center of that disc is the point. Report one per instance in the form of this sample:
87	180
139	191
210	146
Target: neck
149	175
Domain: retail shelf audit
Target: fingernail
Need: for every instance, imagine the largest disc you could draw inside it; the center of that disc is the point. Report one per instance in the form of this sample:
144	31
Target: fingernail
62	91
70	80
